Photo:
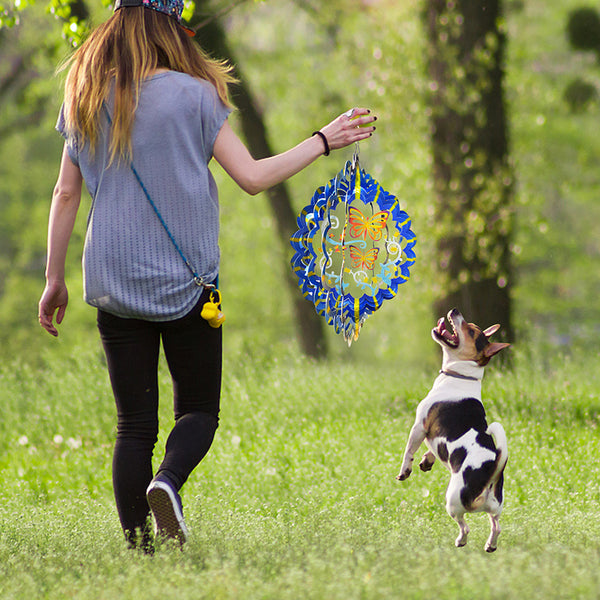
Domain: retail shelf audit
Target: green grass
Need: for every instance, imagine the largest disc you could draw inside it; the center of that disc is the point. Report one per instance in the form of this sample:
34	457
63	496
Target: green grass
298	497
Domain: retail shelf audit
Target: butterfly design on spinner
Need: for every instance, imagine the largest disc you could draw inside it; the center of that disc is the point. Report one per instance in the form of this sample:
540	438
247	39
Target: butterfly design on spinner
361	260
361	226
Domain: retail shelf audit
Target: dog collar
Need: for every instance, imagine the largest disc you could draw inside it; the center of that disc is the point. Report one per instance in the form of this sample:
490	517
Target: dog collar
458	375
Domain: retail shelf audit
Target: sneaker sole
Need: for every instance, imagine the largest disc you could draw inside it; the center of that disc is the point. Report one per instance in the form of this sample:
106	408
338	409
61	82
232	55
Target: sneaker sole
167	514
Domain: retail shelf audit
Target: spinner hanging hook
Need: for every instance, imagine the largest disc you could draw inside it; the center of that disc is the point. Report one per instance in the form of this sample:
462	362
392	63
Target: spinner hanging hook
356	155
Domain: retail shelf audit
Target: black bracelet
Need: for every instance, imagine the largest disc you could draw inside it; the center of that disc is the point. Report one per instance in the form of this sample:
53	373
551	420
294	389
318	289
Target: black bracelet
325	142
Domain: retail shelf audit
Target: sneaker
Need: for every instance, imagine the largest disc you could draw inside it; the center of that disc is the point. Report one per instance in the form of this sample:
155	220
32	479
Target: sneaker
165	504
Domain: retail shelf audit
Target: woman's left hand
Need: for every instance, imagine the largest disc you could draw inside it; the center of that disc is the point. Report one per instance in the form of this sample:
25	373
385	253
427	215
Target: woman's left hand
53	300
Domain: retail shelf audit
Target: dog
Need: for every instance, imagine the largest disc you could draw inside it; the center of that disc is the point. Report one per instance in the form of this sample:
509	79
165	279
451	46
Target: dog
451	421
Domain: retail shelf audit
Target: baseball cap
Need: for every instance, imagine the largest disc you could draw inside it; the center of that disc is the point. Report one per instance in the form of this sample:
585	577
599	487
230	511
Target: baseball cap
172	8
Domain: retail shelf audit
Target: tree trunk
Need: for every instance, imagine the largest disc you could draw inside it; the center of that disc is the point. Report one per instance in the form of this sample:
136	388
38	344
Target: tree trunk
472	174
309	325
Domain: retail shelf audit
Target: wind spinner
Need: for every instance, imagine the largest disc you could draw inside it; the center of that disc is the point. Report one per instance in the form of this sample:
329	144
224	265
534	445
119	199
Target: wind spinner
354	247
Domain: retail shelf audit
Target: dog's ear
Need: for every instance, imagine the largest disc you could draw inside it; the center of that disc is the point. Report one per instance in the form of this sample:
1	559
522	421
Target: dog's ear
490	331
494	348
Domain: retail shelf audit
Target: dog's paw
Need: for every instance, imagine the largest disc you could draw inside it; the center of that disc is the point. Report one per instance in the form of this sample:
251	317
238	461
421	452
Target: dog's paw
404	474
425	465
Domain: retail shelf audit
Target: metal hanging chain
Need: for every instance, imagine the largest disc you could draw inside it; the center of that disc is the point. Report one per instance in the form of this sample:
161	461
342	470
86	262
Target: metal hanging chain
356	155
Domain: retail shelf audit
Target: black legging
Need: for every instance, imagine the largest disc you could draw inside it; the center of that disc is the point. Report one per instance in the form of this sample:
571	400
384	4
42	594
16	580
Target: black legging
193	350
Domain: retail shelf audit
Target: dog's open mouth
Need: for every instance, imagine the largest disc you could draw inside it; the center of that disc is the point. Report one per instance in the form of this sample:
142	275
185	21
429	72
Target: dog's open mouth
449	337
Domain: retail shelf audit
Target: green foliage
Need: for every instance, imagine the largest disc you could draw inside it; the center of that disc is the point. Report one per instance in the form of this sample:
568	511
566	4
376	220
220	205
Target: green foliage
554	249
75	18
583	29
74	28
579	94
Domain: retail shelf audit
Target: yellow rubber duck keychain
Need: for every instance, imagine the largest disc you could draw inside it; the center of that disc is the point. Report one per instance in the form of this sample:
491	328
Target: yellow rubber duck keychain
211	310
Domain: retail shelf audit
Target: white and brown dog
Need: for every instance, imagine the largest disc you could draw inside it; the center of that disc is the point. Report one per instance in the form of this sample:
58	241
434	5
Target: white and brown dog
451	420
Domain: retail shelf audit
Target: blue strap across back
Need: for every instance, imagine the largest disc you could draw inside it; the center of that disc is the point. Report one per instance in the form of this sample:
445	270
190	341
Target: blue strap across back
197	279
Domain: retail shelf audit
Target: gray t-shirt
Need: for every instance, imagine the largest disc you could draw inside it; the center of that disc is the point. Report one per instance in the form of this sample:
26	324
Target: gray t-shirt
130	266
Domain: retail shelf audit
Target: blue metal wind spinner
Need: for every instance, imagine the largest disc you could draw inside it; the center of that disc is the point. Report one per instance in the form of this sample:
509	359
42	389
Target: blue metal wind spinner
354	247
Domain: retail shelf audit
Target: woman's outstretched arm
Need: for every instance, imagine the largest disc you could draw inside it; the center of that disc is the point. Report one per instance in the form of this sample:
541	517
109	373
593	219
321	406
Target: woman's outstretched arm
255	176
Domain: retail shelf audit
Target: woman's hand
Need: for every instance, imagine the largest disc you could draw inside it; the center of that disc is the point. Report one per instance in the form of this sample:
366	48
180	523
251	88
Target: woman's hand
53	300
349	127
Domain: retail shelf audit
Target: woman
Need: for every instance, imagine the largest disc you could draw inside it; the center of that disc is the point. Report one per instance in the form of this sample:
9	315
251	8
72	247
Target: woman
144	111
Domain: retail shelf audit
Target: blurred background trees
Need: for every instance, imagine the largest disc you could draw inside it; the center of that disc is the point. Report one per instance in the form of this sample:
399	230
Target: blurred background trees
506	239
472	173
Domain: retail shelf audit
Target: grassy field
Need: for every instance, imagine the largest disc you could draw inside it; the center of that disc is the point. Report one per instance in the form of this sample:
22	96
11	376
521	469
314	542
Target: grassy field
298	497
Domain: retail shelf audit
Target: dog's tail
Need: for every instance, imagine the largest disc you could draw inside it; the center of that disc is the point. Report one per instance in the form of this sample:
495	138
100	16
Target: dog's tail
497	431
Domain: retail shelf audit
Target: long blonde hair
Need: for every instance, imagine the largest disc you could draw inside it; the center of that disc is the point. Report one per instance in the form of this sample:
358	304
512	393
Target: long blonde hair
122	52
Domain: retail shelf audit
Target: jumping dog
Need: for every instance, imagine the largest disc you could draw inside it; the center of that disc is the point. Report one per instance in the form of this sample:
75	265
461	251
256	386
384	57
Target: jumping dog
451	421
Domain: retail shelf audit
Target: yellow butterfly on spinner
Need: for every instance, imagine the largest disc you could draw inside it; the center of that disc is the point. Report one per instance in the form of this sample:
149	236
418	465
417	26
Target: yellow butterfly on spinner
361	260
360	225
